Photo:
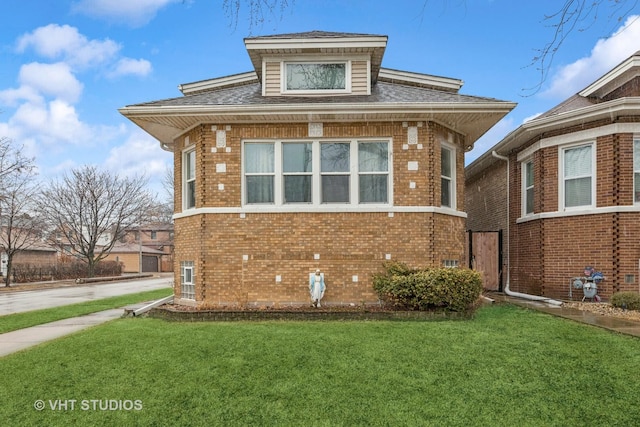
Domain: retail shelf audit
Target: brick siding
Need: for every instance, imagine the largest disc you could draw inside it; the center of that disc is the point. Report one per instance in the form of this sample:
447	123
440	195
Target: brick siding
237	257
547	252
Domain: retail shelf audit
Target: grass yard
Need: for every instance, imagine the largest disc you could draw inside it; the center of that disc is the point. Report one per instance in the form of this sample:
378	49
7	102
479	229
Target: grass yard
27	319
506	367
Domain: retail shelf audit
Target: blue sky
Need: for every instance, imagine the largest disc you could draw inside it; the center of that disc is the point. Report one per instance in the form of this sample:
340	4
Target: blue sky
67	66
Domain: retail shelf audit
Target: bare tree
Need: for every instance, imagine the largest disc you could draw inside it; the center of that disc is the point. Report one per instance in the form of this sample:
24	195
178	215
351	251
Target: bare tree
11	160
21	229
259	11
89	210
168	183
572	16
18	229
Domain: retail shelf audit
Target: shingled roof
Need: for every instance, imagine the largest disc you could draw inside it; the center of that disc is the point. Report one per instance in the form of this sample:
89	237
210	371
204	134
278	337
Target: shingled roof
394	95
612	95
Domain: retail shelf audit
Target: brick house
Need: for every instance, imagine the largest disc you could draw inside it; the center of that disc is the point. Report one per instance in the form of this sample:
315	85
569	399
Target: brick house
156	236
130	255
319	158
571	178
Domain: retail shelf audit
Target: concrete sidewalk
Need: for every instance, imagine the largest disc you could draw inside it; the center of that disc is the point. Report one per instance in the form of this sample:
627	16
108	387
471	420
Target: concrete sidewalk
21	339
15	341
616	324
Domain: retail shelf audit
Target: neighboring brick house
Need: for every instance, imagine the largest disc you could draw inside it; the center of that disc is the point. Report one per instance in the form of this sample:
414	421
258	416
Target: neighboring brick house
157	236
319	158
131	254
573	186
38	255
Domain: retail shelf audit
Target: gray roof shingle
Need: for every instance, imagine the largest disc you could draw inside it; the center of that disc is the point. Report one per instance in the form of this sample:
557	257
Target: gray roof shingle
382	92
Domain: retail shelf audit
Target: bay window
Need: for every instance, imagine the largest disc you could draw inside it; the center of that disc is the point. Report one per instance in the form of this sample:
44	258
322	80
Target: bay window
577	177
345	172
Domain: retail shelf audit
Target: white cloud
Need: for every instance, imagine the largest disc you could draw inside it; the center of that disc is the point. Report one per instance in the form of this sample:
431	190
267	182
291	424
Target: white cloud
139	155
128	66
133	12
54	80
606	54
51	123
66	43
11	97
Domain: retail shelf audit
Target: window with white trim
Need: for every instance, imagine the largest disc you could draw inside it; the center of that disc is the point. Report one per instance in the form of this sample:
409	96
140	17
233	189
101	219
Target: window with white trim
447	177
316	77
189	179
527	187
578	177
318	172
636	170
187	280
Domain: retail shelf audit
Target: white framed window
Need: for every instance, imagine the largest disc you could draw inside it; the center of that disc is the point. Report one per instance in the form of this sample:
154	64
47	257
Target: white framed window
316	77
527	187
189	179
317	172
297	168
373	170
447	176
450	263
259	167
187	280
636	170
577	176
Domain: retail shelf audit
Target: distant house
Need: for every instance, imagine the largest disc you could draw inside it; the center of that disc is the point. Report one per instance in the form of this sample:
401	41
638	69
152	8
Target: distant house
158	236
136	258
318	158
37	255
565	187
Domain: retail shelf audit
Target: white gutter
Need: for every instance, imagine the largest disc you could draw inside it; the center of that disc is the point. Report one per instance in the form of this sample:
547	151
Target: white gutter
154	304
506	288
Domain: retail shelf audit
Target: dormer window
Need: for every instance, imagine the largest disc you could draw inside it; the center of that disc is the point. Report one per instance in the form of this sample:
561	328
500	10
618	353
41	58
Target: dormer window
316	77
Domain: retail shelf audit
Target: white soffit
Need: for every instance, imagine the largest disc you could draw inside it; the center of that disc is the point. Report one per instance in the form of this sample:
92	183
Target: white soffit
621	74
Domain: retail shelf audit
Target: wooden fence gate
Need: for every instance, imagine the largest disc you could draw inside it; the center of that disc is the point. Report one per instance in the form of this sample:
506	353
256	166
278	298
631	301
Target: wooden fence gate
484	249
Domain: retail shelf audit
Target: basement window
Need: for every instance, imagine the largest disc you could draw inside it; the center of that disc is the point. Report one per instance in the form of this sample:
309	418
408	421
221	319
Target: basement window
450	263
187	280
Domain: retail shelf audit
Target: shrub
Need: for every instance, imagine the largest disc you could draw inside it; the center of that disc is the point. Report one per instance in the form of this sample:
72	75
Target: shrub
626	300
404	288
23	273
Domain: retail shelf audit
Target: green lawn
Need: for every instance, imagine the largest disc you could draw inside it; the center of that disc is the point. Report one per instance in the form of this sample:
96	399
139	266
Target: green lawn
506	367
27	319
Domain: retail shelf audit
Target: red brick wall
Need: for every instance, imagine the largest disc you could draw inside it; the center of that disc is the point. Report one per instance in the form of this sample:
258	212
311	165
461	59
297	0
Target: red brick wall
286	244
547	252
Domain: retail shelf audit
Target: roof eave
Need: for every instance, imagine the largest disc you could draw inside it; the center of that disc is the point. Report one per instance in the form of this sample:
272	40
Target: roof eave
154	119
528	130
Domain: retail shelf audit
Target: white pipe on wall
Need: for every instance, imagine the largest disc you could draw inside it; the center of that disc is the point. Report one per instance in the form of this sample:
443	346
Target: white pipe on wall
506	287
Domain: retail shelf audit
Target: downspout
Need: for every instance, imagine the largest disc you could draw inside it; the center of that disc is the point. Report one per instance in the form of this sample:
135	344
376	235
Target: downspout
506	287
